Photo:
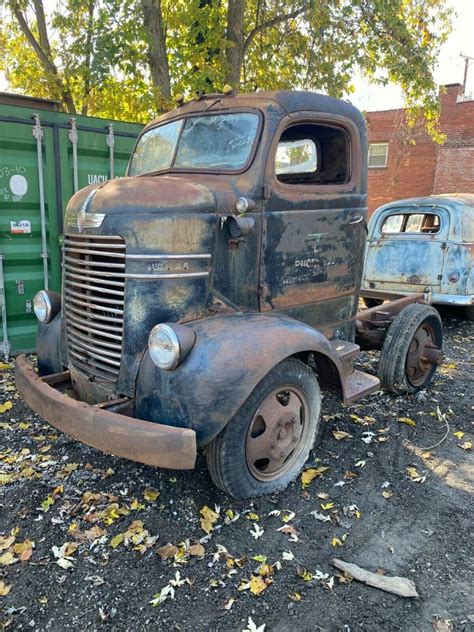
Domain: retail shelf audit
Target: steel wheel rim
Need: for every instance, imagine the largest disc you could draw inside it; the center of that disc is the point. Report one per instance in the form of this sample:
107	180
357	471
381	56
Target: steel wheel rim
277	433
418	366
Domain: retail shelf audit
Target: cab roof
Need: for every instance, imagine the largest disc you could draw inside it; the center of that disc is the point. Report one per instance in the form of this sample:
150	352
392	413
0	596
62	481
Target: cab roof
284	101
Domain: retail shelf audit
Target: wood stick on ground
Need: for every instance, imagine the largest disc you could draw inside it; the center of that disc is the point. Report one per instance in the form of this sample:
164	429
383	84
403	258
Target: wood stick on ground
396	585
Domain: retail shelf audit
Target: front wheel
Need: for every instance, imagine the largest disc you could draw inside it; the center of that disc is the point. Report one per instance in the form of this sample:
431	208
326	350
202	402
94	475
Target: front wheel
411	350
265	445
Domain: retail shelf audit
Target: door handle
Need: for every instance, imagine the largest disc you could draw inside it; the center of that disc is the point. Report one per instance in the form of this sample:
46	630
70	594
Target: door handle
357	220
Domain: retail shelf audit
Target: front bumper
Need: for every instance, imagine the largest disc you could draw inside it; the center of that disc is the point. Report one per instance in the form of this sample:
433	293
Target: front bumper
135	439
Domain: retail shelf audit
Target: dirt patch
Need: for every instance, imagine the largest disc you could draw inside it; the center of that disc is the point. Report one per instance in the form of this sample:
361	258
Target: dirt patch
106	522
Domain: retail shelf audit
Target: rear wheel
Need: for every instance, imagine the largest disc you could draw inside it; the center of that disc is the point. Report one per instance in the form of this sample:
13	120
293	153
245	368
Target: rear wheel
411	349
267	442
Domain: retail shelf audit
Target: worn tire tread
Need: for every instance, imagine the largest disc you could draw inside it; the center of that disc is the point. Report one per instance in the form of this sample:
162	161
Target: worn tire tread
391	367
226	470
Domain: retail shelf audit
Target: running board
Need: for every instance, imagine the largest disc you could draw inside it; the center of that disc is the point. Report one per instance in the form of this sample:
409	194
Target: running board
358	385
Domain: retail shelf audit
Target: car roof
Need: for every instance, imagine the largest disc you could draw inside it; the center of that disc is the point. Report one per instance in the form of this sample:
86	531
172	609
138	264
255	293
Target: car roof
446	200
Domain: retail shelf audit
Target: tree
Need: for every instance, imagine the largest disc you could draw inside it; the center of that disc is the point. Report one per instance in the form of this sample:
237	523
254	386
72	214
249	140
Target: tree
141	51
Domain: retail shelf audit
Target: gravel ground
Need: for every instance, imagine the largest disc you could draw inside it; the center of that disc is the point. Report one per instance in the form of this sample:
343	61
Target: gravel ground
88	540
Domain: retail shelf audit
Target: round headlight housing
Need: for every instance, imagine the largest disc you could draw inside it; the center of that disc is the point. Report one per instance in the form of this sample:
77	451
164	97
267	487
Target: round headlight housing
164	347
42	307
170	344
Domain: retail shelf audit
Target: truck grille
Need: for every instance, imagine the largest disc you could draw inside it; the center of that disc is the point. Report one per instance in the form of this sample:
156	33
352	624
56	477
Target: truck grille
94	290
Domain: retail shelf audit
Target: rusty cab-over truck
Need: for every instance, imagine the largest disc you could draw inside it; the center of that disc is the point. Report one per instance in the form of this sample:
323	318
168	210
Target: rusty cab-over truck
209	294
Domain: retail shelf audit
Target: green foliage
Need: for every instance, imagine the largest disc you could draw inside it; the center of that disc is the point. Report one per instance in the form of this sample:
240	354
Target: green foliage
99	48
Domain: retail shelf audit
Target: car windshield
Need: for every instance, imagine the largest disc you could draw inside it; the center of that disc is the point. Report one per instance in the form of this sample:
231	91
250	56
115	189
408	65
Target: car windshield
220	141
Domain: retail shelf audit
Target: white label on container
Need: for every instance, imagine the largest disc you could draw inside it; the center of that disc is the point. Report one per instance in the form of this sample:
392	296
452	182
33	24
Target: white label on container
18	185
22	227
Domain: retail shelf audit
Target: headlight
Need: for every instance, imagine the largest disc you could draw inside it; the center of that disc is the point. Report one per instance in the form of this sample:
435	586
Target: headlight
170	344
46	305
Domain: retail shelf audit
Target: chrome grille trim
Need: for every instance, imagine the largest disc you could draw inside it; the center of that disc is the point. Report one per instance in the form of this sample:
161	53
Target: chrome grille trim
94	292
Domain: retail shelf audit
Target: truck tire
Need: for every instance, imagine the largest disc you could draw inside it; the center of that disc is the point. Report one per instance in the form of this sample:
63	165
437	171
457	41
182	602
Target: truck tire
263	448
411	349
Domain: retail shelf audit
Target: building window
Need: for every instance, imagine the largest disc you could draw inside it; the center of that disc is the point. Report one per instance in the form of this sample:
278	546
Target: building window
378	155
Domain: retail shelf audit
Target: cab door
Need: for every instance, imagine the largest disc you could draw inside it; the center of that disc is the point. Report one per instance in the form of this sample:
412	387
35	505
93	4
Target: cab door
314	227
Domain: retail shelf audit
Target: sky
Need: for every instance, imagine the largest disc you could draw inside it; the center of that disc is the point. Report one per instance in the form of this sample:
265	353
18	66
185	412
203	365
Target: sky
450	67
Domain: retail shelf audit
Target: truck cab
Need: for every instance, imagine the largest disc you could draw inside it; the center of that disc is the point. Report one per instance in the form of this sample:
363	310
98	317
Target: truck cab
210	293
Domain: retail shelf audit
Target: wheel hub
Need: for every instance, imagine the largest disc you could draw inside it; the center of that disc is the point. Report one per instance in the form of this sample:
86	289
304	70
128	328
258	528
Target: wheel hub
275	433
422	355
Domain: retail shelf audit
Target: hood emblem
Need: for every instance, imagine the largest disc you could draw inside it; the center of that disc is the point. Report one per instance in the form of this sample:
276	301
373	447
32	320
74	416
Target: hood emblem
88	220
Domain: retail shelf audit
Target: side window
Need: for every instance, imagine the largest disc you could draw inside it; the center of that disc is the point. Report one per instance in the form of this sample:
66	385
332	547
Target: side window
378	154
313	154
412	223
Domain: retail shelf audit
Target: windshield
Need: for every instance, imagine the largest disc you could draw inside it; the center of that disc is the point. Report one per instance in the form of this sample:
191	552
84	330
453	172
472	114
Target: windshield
220	141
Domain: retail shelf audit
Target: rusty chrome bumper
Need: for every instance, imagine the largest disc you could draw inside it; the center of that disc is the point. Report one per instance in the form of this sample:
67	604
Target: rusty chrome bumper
135	439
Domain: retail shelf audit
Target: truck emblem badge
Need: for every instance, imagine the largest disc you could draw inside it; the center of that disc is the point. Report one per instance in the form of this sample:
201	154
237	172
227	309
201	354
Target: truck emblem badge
82	214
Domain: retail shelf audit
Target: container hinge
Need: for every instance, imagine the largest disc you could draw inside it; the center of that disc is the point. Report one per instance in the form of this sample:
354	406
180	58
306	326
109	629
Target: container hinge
74	137
110	140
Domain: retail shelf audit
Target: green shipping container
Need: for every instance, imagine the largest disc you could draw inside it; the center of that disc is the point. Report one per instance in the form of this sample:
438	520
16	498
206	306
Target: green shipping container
45	155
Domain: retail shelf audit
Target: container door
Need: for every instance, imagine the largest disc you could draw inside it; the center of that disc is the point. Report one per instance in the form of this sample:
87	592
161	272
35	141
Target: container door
407	248
20	225
93	151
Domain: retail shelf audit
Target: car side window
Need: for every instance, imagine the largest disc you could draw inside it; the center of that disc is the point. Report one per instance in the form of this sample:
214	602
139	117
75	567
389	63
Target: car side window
411	223
313	154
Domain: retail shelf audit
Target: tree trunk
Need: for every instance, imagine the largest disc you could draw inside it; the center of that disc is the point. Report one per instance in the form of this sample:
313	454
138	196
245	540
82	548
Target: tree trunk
43	50
157	53
235	46
88	57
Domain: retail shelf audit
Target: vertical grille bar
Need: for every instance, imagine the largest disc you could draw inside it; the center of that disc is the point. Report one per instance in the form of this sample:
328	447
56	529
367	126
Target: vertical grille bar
94	291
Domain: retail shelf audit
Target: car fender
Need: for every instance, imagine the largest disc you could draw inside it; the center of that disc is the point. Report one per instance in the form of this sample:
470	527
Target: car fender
231	355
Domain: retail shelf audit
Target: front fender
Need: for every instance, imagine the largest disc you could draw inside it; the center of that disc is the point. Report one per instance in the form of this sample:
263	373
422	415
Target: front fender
230	357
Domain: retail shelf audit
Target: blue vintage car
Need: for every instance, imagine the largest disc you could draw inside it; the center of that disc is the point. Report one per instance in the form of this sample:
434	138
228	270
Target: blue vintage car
421	243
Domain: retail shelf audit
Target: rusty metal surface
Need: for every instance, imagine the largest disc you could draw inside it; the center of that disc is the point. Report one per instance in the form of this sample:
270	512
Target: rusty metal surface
373	323
135	439
276	434
407	262
231	355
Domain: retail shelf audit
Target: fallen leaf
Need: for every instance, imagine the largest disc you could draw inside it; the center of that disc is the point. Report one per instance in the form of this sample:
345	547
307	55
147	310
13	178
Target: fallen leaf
459	434
295	596
336	542
340	434
467	445
196	550
6	406
6	541
209	518
167	551
4	589
257	531
229	603
7	558
407	421
151	494
387	494
310	474
252	627
260	558
257	585
326	506
24	550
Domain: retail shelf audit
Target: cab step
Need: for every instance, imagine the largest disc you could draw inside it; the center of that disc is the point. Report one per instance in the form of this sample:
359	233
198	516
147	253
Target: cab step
347	353
358	385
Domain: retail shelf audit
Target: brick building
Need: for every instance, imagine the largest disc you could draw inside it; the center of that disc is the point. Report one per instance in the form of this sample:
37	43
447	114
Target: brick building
400	169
